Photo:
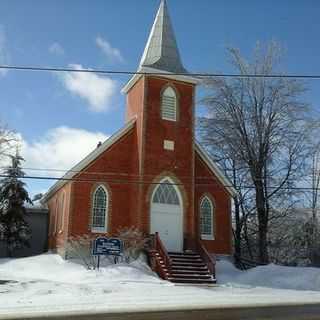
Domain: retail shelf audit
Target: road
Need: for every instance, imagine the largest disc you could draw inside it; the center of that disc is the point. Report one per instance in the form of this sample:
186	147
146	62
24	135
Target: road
267	312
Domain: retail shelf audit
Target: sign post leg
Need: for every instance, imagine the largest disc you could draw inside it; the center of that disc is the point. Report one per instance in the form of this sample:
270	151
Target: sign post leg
98	262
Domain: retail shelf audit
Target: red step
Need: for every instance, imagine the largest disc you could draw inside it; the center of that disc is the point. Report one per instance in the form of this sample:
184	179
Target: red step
192	281
187	268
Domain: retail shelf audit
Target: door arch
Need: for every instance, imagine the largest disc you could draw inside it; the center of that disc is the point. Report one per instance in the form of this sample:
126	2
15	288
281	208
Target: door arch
166	214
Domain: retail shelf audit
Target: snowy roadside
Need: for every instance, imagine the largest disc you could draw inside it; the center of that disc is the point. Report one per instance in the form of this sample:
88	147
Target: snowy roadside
47	283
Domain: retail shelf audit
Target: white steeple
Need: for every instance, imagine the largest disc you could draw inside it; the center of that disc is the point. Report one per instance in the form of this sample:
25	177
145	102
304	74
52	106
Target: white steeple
161	51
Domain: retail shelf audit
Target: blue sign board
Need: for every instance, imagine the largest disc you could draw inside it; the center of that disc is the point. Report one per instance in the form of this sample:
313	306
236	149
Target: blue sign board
107	246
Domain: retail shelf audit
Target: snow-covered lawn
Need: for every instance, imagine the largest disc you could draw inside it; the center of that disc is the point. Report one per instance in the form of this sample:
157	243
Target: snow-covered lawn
49	283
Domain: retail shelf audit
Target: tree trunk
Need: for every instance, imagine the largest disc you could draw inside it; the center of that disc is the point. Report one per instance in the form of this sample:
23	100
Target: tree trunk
263	243
237	233
263	222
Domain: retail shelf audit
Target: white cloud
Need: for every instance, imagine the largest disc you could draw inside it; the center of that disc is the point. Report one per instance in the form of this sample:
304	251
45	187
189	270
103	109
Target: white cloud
60	148
112	54
97	90
56	48
4	55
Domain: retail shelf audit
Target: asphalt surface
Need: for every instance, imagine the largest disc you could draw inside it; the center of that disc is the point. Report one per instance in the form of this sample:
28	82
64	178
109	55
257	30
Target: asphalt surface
283	312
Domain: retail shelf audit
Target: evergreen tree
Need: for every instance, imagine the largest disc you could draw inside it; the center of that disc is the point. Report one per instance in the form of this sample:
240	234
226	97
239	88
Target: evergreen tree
14	230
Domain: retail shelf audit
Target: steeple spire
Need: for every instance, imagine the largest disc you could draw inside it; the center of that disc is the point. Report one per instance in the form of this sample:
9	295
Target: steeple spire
161	51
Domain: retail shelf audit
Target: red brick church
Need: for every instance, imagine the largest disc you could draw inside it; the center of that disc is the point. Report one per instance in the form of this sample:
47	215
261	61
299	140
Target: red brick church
152	173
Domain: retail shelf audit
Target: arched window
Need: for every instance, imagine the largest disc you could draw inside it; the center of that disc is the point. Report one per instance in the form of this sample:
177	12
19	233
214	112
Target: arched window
61	214
206	218
55	226
99	210
169	104
166	194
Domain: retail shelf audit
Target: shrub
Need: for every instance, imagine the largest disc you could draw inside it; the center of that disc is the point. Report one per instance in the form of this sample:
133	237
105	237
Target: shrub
134	242
80	247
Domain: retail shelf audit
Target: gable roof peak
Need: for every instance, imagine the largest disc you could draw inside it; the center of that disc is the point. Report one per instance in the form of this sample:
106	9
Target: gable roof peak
161	51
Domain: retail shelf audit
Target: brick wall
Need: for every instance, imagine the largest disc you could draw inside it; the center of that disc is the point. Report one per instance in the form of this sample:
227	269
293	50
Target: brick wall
158	162
130	168
113	170
207	184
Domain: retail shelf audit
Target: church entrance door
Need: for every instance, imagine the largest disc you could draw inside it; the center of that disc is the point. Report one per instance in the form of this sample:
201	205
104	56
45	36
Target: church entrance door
166	216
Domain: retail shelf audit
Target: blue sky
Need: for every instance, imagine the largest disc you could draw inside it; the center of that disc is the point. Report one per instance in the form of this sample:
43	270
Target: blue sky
55	115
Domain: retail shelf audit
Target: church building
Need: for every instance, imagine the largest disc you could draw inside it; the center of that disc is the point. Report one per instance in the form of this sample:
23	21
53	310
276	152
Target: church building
151	174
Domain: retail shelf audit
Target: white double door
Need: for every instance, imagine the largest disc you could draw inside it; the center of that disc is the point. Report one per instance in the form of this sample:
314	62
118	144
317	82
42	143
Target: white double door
166	219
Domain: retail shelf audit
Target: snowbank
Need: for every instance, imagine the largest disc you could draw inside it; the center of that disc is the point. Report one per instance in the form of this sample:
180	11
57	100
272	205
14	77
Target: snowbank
271	276
47	283
51	267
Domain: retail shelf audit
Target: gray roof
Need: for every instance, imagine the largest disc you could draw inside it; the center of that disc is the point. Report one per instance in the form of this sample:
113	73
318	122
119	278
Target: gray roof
161	51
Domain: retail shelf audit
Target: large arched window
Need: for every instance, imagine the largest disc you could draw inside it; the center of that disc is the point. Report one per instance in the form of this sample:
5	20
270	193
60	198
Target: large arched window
99	210
166	194
169	104
206	218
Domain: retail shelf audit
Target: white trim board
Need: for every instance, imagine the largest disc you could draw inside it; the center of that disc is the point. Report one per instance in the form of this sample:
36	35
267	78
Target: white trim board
89	158
215	169
146	71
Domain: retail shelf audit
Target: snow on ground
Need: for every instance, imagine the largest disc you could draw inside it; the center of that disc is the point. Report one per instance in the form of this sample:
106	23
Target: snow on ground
47	283
271	276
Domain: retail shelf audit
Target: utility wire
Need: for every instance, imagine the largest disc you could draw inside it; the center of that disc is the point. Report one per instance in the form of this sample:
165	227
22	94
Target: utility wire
105	173
120	181
200	75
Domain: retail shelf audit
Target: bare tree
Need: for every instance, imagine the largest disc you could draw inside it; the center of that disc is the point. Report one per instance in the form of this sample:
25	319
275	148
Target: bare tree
259	123
312	197
8	141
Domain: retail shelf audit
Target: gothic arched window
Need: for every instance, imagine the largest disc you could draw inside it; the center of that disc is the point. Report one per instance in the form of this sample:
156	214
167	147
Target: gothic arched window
99	210
206	218
61	214
166	194
169	104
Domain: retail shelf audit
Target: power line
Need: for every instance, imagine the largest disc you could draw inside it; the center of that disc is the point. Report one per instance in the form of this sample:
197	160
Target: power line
120	181
106	173
124	72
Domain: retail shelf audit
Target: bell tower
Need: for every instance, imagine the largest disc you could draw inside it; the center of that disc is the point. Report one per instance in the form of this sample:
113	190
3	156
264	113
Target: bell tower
161	97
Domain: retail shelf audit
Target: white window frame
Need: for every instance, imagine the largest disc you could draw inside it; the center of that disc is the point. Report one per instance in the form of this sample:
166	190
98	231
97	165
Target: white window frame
55	226
61	213
169	92
212	235
105	227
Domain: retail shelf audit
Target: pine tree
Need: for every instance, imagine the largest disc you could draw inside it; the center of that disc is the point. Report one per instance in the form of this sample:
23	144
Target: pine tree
14	230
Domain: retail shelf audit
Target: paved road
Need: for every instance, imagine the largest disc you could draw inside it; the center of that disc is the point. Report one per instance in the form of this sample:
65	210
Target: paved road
284	312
